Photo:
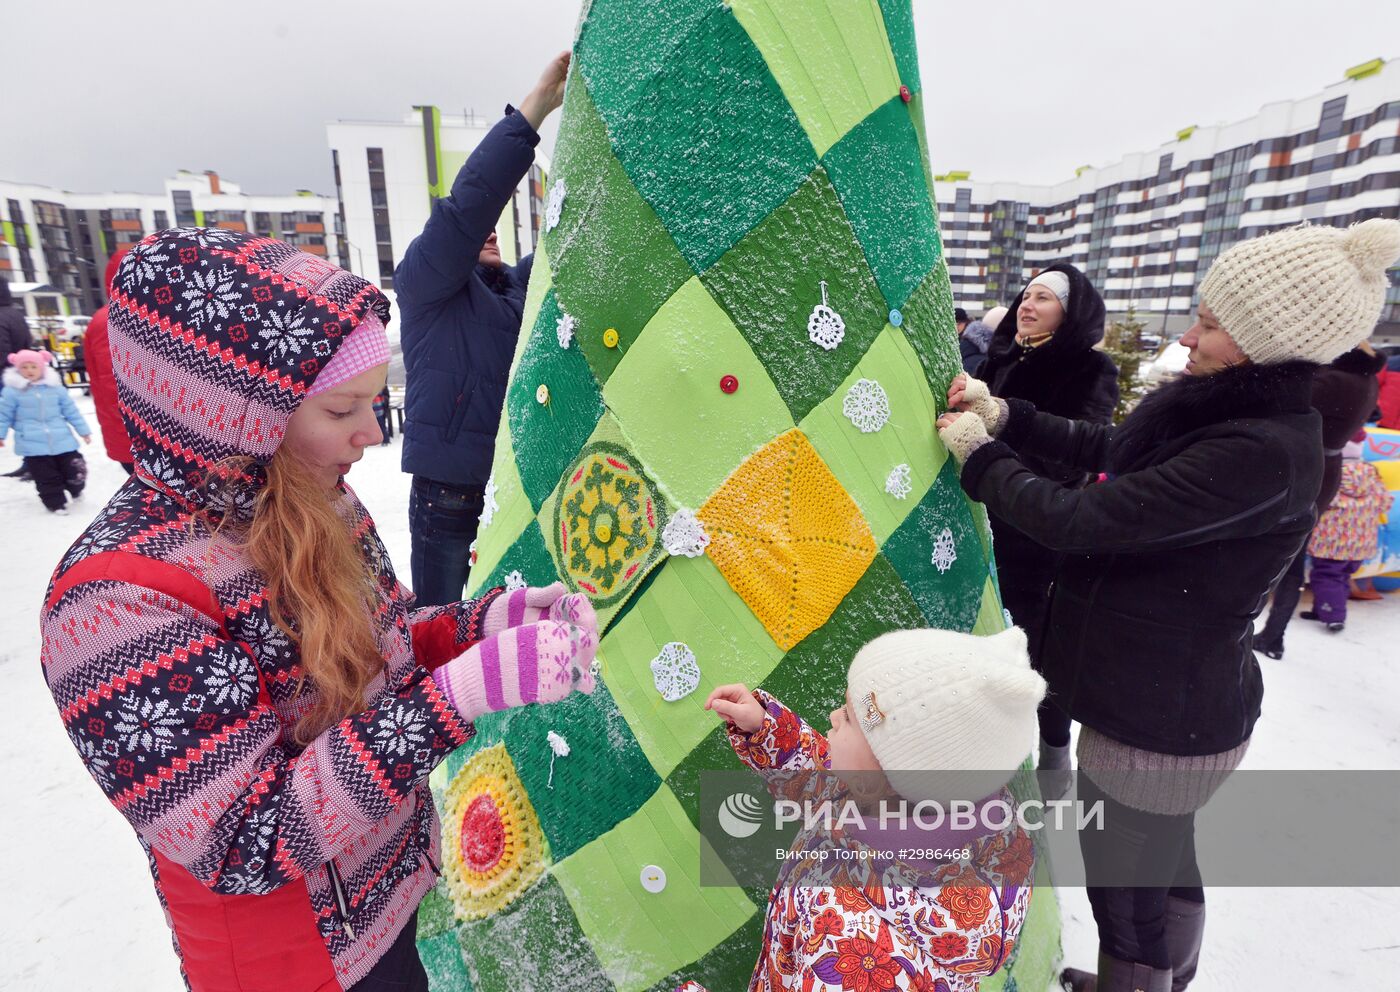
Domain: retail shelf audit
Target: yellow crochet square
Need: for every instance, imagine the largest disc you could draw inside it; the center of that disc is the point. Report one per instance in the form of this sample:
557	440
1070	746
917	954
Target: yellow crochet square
788	537
493	847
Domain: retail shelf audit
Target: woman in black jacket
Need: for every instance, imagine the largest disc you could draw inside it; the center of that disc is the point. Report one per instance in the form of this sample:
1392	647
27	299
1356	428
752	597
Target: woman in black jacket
1043	352
1167	564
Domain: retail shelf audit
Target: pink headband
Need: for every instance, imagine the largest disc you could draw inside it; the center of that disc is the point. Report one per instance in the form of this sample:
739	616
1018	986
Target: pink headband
30	355
366	347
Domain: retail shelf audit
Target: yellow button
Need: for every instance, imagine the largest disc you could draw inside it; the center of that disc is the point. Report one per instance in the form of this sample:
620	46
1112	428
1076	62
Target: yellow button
605	533
610	337
542	394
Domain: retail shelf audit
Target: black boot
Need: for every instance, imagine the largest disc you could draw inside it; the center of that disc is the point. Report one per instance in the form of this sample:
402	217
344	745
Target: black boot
1074	980
1335	626
1186	926
1117	976
1269	649
1130	976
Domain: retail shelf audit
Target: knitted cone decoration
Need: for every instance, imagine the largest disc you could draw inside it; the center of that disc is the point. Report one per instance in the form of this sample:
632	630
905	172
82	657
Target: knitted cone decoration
1309	292
730	452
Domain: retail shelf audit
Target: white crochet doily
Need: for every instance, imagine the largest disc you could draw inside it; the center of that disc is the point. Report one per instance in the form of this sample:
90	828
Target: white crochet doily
555	206
488	503
685	535
675	672
514	581
825	326
897	484
867	406
944	551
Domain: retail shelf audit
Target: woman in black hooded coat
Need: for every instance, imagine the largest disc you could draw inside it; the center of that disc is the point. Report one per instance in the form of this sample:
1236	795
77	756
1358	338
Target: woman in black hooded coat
1055	366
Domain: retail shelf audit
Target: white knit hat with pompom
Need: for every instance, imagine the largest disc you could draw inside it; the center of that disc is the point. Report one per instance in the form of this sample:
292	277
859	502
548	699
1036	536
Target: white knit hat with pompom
1309	292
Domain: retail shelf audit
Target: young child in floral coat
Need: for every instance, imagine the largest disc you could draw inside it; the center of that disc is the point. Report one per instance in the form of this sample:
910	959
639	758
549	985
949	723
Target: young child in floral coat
918	703
1345	536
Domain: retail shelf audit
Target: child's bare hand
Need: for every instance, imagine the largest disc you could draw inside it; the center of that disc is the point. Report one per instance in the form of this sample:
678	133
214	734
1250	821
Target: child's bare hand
87	439
956	389
737	704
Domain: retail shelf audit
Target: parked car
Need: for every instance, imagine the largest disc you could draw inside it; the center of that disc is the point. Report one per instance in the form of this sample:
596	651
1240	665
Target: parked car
1169	363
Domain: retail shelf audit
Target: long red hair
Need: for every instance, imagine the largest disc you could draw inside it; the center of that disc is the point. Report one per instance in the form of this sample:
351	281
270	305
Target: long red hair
322	592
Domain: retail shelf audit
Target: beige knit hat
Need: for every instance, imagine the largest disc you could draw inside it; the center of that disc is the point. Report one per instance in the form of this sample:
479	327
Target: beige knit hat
1310	292
939	701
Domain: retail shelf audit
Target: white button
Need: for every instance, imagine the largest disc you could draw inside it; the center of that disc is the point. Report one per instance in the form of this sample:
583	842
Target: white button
653	879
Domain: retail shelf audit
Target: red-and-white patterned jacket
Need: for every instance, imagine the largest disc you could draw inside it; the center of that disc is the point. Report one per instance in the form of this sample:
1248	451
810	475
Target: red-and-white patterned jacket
279	866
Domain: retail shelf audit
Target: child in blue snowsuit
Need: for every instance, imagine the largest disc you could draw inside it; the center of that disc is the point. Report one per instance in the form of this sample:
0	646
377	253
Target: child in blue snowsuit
38	407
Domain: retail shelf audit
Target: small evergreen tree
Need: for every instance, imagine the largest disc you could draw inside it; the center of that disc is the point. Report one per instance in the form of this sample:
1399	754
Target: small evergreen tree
1122	341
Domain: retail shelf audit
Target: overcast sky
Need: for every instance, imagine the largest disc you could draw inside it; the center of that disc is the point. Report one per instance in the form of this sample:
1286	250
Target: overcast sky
97	95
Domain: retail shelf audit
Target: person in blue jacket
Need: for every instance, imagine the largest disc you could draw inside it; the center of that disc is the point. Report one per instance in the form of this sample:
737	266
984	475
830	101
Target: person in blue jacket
461	307
37	405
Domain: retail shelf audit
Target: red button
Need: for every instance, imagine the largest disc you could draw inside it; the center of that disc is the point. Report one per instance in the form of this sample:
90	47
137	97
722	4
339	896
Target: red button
729	384
905	95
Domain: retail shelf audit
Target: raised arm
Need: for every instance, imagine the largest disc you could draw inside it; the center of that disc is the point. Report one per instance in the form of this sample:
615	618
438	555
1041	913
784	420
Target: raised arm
440	261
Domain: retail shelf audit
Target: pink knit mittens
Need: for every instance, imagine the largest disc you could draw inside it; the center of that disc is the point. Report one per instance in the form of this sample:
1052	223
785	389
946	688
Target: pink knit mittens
539	648
526	606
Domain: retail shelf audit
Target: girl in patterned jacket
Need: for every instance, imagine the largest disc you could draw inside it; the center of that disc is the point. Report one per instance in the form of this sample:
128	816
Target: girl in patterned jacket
921	706
1345	536
229	648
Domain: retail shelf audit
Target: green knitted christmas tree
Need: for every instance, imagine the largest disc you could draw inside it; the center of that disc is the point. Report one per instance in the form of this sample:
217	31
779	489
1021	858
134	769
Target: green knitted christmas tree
719	425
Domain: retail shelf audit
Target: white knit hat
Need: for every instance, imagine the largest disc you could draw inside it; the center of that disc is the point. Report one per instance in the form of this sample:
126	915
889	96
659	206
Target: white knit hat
1310	292
940	701
993	317
1057	282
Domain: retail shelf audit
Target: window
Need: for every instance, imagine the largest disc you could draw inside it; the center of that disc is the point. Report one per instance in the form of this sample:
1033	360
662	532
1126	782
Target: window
162	220
1330	124
184	207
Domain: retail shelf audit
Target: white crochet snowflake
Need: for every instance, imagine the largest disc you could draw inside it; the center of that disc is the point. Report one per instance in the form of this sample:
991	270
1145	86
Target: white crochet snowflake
944	551
514	581
867	406
489	505
675	671
565	330
898	484
685	535
555	206
825	326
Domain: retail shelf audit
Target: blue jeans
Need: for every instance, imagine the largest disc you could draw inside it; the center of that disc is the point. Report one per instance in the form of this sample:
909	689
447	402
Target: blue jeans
442	523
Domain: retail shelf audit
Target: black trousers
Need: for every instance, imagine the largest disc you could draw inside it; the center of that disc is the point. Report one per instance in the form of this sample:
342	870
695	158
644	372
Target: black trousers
1132	920
400	969
1286	595
53	474
1025	593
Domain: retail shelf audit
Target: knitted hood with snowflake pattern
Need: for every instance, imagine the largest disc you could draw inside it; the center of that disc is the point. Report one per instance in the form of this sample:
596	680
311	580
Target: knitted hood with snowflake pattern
216	336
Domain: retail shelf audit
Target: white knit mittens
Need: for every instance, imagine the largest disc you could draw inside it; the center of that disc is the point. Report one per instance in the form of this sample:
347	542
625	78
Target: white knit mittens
964	435
985	405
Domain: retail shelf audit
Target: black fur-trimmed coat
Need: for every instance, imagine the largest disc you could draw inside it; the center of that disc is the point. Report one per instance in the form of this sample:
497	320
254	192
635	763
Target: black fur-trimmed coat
1065	377
1148	637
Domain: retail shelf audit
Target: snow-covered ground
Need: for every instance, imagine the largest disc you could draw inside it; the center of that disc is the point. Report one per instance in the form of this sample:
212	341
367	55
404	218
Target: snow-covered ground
79	911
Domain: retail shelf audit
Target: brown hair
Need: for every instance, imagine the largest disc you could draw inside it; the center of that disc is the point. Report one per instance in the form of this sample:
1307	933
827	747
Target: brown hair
321	591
